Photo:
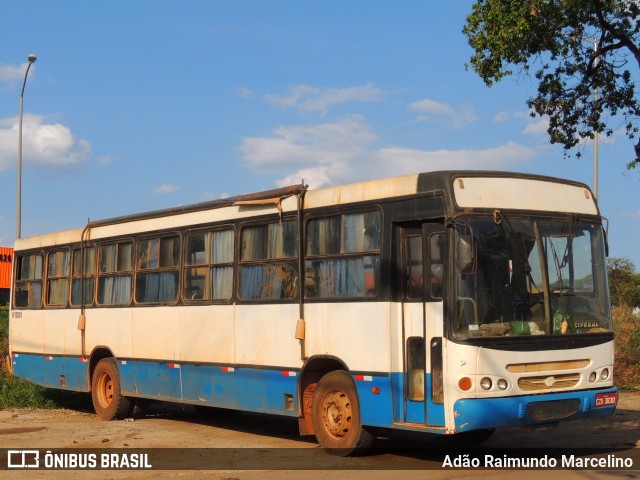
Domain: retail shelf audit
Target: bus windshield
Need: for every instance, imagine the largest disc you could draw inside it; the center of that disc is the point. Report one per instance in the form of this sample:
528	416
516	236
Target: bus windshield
532	276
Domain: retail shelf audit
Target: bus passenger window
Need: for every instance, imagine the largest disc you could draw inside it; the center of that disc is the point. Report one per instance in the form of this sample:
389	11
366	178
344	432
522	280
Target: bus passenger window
209	270
361	232
268	269
89	276
114	276
343	256
158	260
28	287
58	278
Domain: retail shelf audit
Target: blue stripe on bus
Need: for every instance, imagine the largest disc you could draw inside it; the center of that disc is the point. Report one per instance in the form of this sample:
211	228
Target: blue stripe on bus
67	373
252	389
241	388
473	414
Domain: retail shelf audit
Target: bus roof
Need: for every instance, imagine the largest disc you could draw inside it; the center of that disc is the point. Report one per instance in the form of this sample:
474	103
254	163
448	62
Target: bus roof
484	189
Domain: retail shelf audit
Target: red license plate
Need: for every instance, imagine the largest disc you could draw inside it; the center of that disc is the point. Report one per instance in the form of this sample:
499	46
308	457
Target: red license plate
606	399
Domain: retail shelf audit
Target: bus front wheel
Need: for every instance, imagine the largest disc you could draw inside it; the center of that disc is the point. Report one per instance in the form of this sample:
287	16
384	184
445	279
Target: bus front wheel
336	416
108	401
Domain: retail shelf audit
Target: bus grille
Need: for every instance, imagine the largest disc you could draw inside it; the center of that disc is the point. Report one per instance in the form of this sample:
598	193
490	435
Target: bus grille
546	366
548	382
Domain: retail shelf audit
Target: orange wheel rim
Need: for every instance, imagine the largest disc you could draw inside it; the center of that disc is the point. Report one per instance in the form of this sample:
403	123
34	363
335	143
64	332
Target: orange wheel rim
105	390
337	414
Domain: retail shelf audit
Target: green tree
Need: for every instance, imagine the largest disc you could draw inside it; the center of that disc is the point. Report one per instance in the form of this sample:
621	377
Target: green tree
571	49
624	282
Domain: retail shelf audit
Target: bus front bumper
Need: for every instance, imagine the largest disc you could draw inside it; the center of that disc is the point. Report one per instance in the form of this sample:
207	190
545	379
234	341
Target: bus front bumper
478	413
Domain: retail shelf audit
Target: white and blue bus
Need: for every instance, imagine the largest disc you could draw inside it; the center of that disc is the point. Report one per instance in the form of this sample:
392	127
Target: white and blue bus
450	302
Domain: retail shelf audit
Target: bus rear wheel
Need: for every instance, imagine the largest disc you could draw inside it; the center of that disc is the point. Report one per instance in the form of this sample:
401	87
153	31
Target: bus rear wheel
336	416
108	401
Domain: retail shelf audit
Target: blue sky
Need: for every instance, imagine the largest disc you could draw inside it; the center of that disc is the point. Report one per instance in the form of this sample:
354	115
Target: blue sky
135	106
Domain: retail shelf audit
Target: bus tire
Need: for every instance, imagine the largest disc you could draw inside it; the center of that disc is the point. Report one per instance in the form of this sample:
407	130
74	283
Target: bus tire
336	416
108	401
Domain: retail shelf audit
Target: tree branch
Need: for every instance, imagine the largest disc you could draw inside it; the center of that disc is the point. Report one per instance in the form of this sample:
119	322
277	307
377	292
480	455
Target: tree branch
624	39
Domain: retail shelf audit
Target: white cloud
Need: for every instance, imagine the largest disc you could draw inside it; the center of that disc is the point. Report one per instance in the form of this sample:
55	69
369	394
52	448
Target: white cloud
165	189
340	152
314	177
496	158
538	127
431	106
533	125
11	75
505	116
44	144
322	144
502	117
459	116
306	98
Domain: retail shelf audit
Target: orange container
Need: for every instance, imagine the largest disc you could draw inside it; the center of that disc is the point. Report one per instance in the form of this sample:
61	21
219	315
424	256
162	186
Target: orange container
6	260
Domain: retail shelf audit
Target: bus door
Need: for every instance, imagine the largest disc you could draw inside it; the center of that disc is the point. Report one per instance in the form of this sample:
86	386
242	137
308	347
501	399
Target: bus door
421	255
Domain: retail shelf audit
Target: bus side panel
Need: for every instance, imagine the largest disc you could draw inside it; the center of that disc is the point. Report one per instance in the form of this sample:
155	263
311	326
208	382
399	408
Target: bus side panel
67	373
30	367
158	380
111	328
154	332
206	334
267	391
209	385
27	331
265	335
356	333
61	334
375	408
251	389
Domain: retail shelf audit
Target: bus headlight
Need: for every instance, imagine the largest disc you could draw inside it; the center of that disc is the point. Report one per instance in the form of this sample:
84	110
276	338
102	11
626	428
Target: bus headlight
502	384
593	376
486	383
604	374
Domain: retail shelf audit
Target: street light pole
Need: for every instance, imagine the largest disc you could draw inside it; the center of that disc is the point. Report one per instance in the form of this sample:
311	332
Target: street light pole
31	59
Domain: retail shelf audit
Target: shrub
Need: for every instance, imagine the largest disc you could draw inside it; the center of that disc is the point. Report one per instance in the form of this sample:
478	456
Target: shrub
627	350
4	336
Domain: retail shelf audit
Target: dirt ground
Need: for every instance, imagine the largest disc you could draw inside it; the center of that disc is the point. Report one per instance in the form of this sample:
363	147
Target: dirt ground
260	446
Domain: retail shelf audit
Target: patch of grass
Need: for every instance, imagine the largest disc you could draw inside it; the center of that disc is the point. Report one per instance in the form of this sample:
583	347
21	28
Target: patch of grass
18	393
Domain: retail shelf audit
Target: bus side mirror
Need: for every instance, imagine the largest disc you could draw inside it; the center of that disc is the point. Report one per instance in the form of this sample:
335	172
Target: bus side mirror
465	254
